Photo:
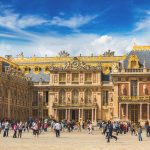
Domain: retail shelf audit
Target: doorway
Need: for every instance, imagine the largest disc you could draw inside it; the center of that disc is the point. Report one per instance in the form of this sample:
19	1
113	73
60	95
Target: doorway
74	115
134	113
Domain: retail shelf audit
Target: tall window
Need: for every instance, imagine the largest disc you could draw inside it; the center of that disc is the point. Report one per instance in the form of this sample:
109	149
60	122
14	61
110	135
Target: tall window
62	96
62	77
75	96
88	77
133	64
134	88
46	97
35	100
75	77
88	96
105	97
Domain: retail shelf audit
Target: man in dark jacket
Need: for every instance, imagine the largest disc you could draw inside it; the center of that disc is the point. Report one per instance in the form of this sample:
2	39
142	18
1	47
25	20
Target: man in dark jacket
109	130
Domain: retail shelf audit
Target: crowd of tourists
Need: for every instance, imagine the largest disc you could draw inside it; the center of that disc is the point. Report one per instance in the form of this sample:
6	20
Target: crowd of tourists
110	130
113	129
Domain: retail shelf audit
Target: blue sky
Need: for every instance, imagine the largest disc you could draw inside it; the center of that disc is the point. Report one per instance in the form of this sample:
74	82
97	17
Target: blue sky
83	26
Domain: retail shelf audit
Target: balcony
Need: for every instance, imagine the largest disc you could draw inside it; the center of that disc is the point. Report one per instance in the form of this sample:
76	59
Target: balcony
88	81
62	82
132	71
75	82
74	104
134	98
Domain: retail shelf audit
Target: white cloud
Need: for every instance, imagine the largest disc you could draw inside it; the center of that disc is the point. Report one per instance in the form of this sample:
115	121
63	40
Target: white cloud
73	22
76	43
15	22
144	23
101	40
28	21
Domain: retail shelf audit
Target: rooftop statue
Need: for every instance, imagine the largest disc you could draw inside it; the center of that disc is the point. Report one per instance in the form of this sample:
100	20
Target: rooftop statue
63	54
109	53
20	55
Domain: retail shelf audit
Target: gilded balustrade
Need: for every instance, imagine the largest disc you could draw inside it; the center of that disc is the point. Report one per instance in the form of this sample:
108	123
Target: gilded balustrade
81	104
134	98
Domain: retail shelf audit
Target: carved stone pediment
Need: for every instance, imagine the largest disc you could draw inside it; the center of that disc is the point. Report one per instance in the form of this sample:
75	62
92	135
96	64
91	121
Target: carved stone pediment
75	64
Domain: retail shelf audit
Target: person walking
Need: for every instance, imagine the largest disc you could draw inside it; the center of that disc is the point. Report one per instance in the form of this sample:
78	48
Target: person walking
0	127
36	129
90	128
15	130
20	128
146	128
109	131
6	129
139	131
57	128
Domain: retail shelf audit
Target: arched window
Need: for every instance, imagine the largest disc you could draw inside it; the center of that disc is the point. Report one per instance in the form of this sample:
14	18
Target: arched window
133	62
37	69
62	96
27	69
88	96
46	69
75	96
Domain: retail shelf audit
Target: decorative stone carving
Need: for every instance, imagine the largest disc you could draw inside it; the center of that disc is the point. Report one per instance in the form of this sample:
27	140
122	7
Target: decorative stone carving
115	68
56	100
75	64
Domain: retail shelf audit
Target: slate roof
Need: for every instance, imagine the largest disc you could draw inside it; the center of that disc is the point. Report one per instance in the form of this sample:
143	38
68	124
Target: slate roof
37	77
142	56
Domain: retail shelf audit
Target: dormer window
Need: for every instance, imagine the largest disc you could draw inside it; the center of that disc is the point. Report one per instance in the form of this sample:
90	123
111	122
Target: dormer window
27	69
37	69
46	69
133	62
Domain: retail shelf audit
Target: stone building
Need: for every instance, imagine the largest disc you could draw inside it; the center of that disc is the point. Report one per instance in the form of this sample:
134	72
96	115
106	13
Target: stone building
87	87
14	92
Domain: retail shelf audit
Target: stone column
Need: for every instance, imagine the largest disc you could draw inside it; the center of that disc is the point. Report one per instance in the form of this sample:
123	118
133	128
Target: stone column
69	114
66	114
92	114
56	114
79	114
95	115
148	111
127	116
82	115
140	112
119	110
9	99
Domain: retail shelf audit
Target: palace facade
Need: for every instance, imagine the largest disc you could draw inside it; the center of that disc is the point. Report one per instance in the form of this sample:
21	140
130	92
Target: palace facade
106	87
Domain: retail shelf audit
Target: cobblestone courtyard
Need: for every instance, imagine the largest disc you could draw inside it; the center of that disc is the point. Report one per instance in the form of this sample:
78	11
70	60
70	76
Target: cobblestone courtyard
73	141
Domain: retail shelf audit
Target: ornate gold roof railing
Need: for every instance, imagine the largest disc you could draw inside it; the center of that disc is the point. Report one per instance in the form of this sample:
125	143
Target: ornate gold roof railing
134	98
74	104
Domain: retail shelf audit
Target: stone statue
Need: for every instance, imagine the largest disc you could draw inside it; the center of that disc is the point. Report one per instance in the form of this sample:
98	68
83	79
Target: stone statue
63	54
109	53
145	90
123	90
